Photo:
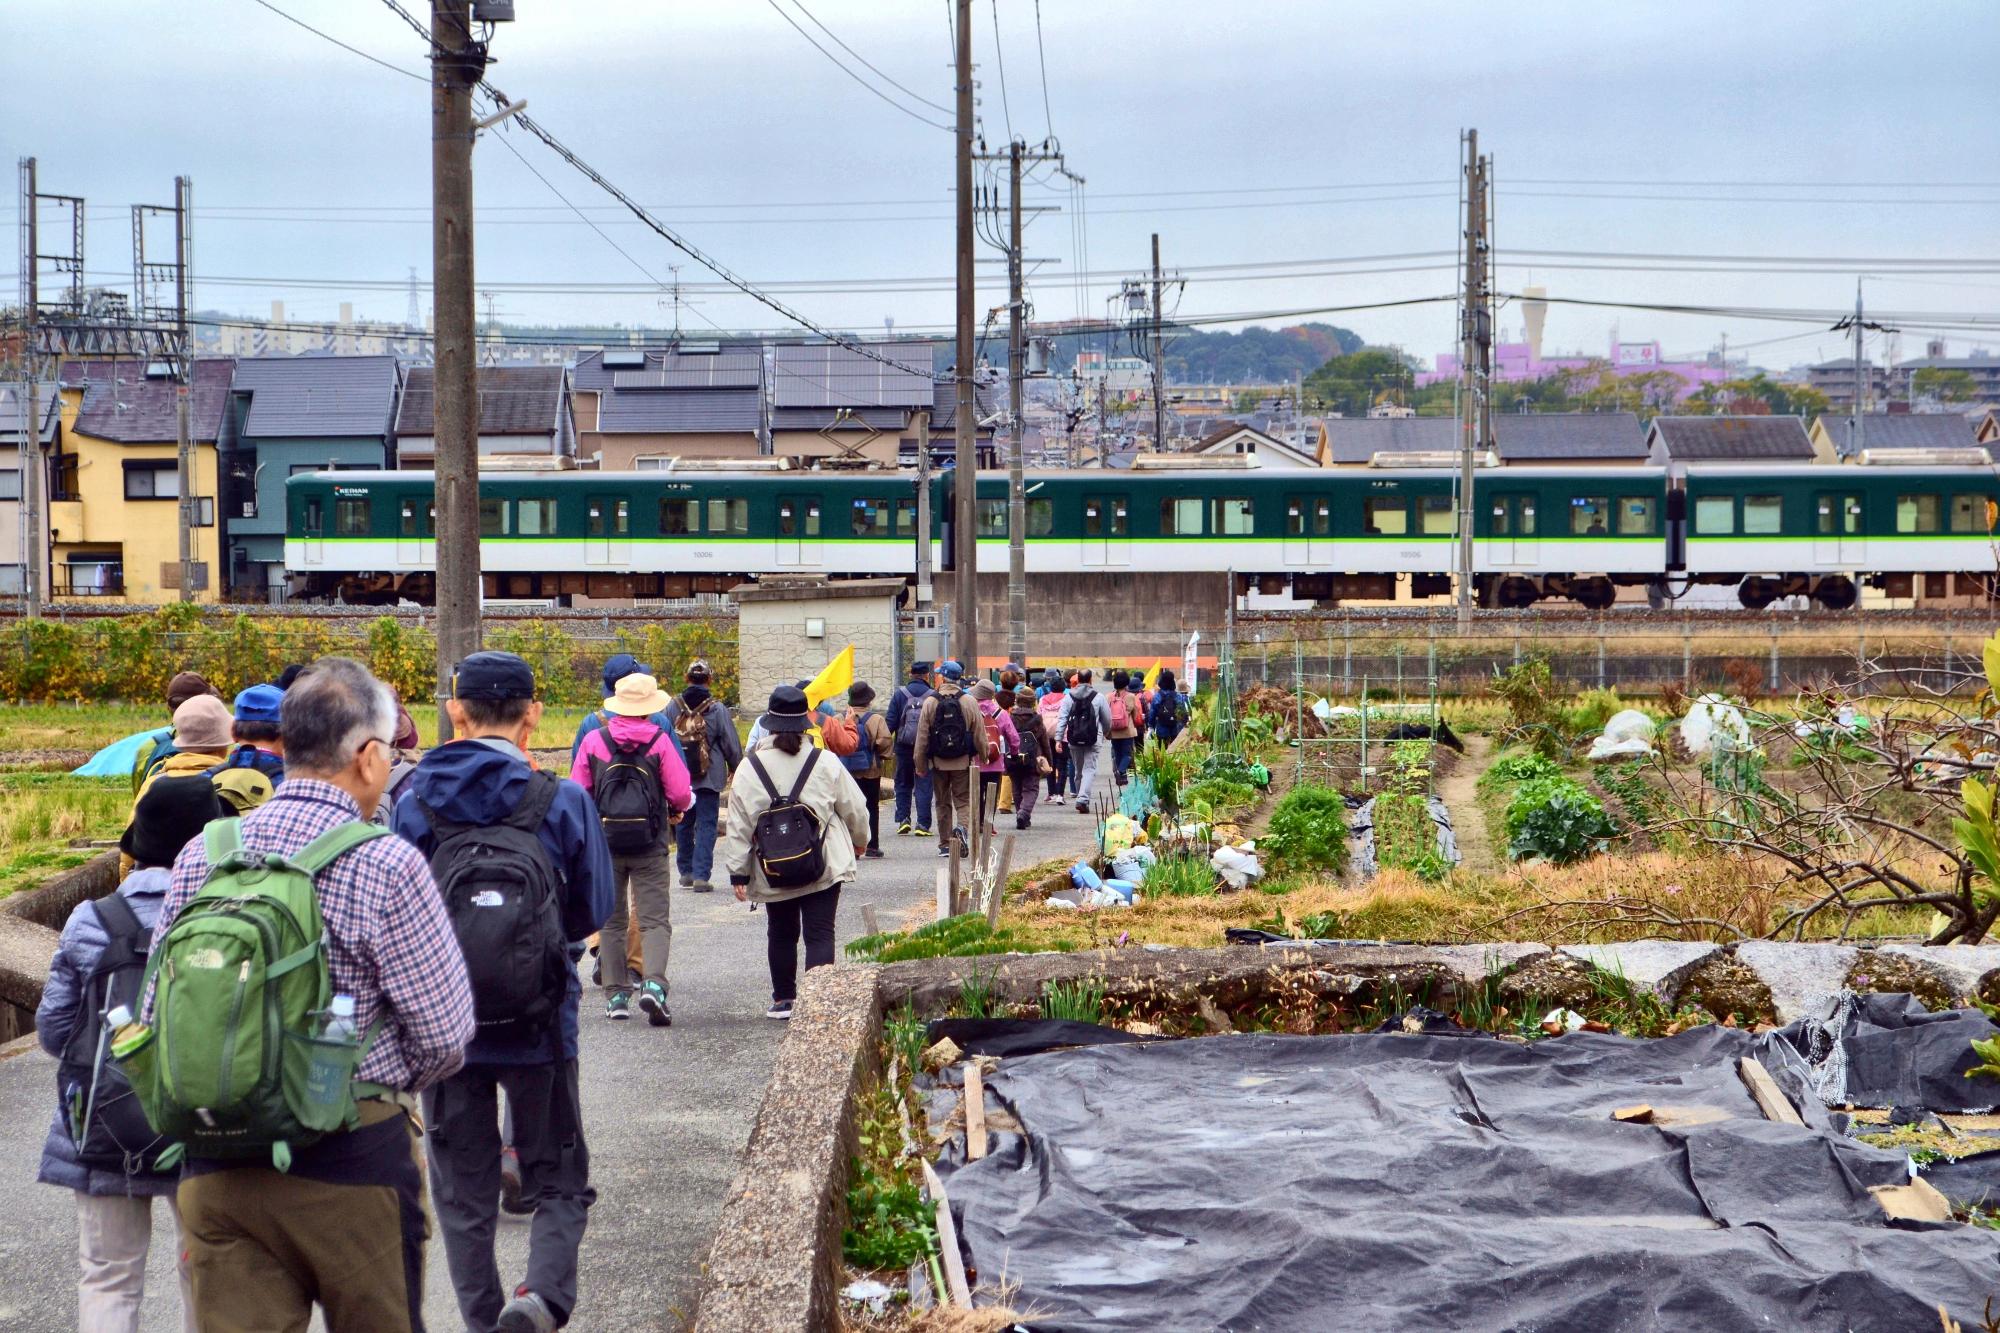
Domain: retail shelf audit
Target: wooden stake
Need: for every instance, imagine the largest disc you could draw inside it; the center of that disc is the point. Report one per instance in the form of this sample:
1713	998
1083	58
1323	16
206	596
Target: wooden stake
1770	1098
975	1113
943	892
954	1263
953	870
999	890
868	919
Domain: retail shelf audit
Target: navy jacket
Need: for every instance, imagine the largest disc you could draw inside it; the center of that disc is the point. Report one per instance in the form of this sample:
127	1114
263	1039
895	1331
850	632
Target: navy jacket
909	695
474	782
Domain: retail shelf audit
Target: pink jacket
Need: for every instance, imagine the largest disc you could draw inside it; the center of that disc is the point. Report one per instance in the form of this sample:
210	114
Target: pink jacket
673	770
1010	737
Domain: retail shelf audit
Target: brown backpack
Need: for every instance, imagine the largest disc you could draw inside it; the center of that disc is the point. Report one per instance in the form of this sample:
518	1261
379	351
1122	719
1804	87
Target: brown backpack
691	730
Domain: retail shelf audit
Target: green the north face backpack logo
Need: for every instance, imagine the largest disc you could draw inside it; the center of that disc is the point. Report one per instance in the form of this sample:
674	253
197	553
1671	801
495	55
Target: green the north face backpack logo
232	1064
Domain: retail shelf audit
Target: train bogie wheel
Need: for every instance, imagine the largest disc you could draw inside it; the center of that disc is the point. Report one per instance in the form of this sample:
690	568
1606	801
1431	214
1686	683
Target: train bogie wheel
1837	593
1757	593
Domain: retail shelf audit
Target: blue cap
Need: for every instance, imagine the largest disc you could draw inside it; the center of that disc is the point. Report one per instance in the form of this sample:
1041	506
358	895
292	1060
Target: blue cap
259	703
493	676
950	670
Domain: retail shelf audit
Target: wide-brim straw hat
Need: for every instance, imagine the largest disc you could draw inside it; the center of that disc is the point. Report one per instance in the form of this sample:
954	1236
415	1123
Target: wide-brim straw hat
637	695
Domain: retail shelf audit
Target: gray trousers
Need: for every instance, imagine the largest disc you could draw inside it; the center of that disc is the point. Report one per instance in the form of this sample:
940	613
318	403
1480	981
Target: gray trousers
647	882
463	1117
1086	768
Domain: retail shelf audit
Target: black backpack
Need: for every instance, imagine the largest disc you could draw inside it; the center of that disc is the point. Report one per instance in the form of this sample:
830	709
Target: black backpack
504	897
950	737
105	1120
913	712
626	783
786	839
1081	730
1027	758
1169	714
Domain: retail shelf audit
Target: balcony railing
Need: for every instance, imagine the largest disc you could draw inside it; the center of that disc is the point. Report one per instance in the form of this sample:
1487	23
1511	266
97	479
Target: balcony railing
80	581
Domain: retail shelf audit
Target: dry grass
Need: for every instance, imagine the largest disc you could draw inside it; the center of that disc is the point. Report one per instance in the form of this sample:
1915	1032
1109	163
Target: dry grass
992	1319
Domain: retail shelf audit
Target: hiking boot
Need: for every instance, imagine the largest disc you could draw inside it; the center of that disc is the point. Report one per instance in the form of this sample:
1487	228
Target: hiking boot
1083	807
527	1313
703	886
619	1006
510	1185
780	1009
921	832
1020	821
653	1004
873	854
903	827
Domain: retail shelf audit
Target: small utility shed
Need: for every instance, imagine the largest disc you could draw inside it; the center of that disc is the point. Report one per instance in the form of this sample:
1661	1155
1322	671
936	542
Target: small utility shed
287	415
1730	439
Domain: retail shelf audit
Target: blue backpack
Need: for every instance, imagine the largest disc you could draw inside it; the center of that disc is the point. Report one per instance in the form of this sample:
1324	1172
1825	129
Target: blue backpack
1169	715
863	758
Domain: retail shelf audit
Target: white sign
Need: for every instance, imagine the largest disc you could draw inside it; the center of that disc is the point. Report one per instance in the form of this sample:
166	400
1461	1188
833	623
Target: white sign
1187	664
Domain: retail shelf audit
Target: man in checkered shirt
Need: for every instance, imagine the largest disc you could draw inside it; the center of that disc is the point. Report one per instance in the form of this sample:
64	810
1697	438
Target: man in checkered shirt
345	1226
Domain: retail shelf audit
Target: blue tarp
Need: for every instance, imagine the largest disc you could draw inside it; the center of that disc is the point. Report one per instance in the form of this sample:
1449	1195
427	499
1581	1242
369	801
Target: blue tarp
116	759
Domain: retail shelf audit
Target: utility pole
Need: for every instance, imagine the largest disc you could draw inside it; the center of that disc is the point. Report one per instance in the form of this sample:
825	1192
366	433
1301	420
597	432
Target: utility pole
965	583
1475	370
921	419
1857	435
32	508
1017	353
1159	367
456	65
184	385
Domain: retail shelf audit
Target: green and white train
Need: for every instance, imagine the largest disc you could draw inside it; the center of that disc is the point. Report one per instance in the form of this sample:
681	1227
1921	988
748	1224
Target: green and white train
1328	535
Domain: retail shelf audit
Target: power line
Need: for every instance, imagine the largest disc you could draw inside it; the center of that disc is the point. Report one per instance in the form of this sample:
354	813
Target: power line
864	60
375	60
1041	59
1000	64
844	69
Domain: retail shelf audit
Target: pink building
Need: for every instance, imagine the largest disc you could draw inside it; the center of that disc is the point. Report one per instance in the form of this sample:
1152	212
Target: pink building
1517	361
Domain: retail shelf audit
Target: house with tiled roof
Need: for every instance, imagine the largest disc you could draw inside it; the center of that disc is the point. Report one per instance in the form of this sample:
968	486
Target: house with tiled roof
1532	439
288	415
114	512
870	404
1837	435
641	407
1730	439
525	417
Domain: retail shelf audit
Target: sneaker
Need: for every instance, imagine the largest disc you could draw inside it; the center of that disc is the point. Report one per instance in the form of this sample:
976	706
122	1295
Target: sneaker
703	886
964	847
510	1185
653	1004
922	832
527	1313
1083	807
1020	821
903	827
781	1009
873	854
619	1006
944	849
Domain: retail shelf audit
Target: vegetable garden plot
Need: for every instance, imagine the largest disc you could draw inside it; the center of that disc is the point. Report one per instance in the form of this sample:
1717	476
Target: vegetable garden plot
1440	1181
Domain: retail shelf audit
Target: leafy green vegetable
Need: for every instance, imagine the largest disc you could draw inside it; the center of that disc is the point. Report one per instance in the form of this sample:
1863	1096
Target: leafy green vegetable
1556	819
1308	832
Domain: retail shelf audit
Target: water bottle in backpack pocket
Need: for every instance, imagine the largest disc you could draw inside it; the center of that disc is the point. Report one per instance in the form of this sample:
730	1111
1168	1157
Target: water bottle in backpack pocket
503	894
107	1124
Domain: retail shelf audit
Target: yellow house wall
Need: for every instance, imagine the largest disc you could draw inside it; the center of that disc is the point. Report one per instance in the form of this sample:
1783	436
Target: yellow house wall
147	532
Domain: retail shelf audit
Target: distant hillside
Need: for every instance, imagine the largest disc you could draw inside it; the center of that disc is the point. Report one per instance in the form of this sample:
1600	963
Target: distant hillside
1256	355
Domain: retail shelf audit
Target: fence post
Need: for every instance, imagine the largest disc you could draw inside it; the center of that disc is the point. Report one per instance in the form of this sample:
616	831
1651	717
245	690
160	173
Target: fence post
1687	656
1431	642
1600	654
1774	657
1347	656
1861	657
1399	671
1517	643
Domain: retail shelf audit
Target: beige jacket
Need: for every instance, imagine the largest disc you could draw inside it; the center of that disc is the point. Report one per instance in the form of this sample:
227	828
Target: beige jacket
830	793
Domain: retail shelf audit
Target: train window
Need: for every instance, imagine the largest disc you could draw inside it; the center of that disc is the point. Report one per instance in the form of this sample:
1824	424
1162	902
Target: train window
535	518
1501	527
1763	515
1233	518
1971	513
1916	513
1589	515
993	518
1180	518
798	518
1636	516
729	516
1385	516
906	518
1715	515
1308	514
1839	515
871	518
678	517
1041	517
1104	516
417	519
609	518
1438	517
493	518
315	523
350	518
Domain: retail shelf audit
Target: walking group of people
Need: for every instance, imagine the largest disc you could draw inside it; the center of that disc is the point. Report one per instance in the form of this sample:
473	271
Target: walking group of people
404	935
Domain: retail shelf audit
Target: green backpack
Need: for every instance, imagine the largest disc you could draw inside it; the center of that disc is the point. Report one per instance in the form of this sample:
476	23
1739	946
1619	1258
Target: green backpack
233	1064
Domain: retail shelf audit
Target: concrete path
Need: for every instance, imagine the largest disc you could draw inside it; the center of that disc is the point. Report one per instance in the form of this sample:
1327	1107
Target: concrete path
668	1113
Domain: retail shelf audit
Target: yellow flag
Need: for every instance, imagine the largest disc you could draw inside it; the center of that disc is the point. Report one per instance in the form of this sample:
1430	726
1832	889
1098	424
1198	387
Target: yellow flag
834	678
1152	680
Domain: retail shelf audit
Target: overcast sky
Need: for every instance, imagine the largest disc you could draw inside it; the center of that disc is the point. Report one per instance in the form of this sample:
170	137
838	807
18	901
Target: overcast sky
1244	133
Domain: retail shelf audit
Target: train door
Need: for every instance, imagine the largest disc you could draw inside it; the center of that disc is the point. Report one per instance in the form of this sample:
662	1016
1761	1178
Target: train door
608	530
1516	543
313	536
1107	531
1308	530
798	530
1837	532
414	526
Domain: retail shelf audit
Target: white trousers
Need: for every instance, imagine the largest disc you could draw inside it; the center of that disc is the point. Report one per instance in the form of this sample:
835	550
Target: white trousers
113	1235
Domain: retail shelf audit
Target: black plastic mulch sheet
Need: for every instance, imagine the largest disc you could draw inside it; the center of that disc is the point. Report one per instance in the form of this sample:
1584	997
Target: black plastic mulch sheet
1431	1182
1888	1050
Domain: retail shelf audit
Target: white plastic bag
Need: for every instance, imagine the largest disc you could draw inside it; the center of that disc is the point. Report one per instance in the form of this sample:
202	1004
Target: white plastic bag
1236	866
1713	721
1628	735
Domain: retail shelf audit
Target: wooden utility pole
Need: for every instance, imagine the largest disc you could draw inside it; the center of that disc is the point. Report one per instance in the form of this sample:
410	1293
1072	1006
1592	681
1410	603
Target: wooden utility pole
32	507
921	420
1475	368
1159	365
1017	353
184	386
965	508
456	65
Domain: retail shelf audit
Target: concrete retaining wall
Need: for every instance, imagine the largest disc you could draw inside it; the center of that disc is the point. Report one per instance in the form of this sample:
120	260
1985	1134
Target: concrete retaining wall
776	1260
30	924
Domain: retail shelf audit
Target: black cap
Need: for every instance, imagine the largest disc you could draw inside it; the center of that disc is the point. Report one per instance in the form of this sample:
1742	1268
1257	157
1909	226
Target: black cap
171	813
495	677
920	668
788	710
